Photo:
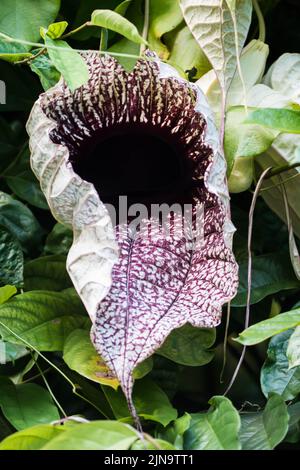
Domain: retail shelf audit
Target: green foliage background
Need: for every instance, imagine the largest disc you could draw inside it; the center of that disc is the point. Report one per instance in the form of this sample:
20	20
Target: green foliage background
51	369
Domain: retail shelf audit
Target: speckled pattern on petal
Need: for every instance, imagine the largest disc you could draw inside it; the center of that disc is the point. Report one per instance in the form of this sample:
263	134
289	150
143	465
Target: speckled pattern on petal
161	284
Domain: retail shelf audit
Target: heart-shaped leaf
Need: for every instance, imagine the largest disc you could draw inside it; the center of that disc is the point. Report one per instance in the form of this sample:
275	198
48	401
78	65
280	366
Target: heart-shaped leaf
68	62
46	273
20	221
215	430
189	346
293	349
98	435
264	430
211	22
50	318
33	438
276	376
80	355
11	259
151	401
26	404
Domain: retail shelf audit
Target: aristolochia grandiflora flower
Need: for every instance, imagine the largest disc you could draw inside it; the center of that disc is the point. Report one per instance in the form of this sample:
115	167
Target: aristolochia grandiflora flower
148	135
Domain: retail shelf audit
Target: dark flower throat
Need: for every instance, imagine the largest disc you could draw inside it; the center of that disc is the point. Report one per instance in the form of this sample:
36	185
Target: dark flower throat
147	165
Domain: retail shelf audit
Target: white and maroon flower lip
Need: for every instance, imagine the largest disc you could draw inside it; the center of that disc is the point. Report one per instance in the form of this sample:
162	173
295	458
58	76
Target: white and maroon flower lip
148	134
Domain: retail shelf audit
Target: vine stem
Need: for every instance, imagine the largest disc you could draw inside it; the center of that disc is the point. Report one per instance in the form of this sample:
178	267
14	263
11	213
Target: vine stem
39	45
52	365
146	25
279	184
249	276
238	61
30	59
225	343
36	376
223	117
152	441
261	21
281	169
74	31
294	253
50	390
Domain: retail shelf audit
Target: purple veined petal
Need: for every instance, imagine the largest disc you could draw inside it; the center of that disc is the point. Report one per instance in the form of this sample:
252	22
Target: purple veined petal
148	133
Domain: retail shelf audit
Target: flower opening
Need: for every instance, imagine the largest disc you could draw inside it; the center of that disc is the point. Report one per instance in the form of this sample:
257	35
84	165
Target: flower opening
147	135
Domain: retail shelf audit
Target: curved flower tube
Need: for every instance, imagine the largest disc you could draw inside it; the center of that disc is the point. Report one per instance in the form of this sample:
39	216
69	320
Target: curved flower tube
148	135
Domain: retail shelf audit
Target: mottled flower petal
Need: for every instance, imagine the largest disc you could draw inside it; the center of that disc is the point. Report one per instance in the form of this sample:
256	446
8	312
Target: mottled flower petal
159	281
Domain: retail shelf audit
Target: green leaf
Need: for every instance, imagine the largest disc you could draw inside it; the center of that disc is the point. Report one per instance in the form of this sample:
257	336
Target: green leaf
47	73
83	14
164	17
68	62
189	346
266	329
6	293
80	355
13	52
282	120
33	438
150	401
253	62
21	180
46	273
285	151
44	319
107	36
215	430
26	187
22	20
212	25
174	433
11	259
20	221
155	445
242	139
265	430
98	435
123	7
193	59
59	240
111	20
293	349
54	30
26	405
143	368
136	16
89	390
166	375
231	5
293	434
8	144
271	273
276	377
242	174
